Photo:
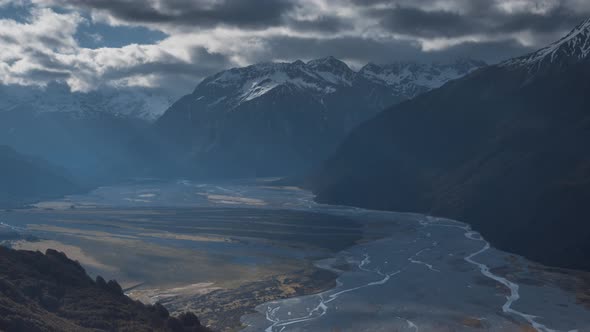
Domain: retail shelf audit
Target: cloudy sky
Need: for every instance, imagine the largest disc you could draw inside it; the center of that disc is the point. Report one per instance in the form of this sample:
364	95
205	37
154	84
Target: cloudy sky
173	44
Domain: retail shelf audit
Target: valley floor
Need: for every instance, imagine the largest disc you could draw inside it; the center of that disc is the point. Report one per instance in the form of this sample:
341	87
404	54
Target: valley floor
247	255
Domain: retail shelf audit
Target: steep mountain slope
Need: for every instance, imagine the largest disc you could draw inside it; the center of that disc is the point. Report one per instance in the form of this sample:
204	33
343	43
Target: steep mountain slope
53	293
571	49
279	118
25	179
504	148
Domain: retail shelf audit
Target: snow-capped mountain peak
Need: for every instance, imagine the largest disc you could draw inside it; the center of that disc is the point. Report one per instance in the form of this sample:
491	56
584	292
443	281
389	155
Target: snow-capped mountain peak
572	48
332	70
321	77
239	85
410	79
275	118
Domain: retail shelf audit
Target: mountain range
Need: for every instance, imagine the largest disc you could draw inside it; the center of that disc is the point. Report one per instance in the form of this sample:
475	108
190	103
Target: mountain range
265	119
279	118
99	136
139	103
503	148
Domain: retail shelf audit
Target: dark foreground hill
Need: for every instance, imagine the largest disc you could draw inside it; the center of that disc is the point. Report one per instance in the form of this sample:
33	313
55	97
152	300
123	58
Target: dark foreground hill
506	148
49	292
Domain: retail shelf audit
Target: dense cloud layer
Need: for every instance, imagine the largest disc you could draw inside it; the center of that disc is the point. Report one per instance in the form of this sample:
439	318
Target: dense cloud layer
258	14
177	42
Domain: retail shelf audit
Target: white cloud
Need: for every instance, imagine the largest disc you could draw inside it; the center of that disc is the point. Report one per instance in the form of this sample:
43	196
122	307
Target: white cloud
45	49
29	48
540	7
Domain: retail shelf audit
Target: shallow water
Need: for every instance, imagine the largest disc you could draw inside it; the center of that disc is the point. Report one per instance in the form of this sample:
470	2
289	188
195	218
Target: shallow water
436	278
420	273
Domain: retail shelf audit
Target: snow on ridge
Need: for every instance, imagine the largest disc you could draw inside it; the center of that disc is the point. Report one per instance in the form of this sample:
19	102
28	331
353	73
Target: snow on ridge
321	76
327	75
573	46
133	103
333	78
410	78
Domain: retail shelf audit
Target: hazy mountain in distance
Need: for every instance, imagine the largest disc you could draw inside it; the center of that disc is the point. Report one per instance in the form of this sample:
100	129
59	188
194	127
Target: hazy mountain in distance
138	103
279	118
26	179
98	136
503	148
94	147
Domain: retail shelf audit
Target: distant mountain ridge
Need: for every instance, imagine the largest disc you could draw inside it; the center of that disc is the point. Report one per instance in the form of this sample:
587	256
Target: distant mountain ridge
322	77
96	147
99	136
504	148
278	118
410	79
144	104
25	179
